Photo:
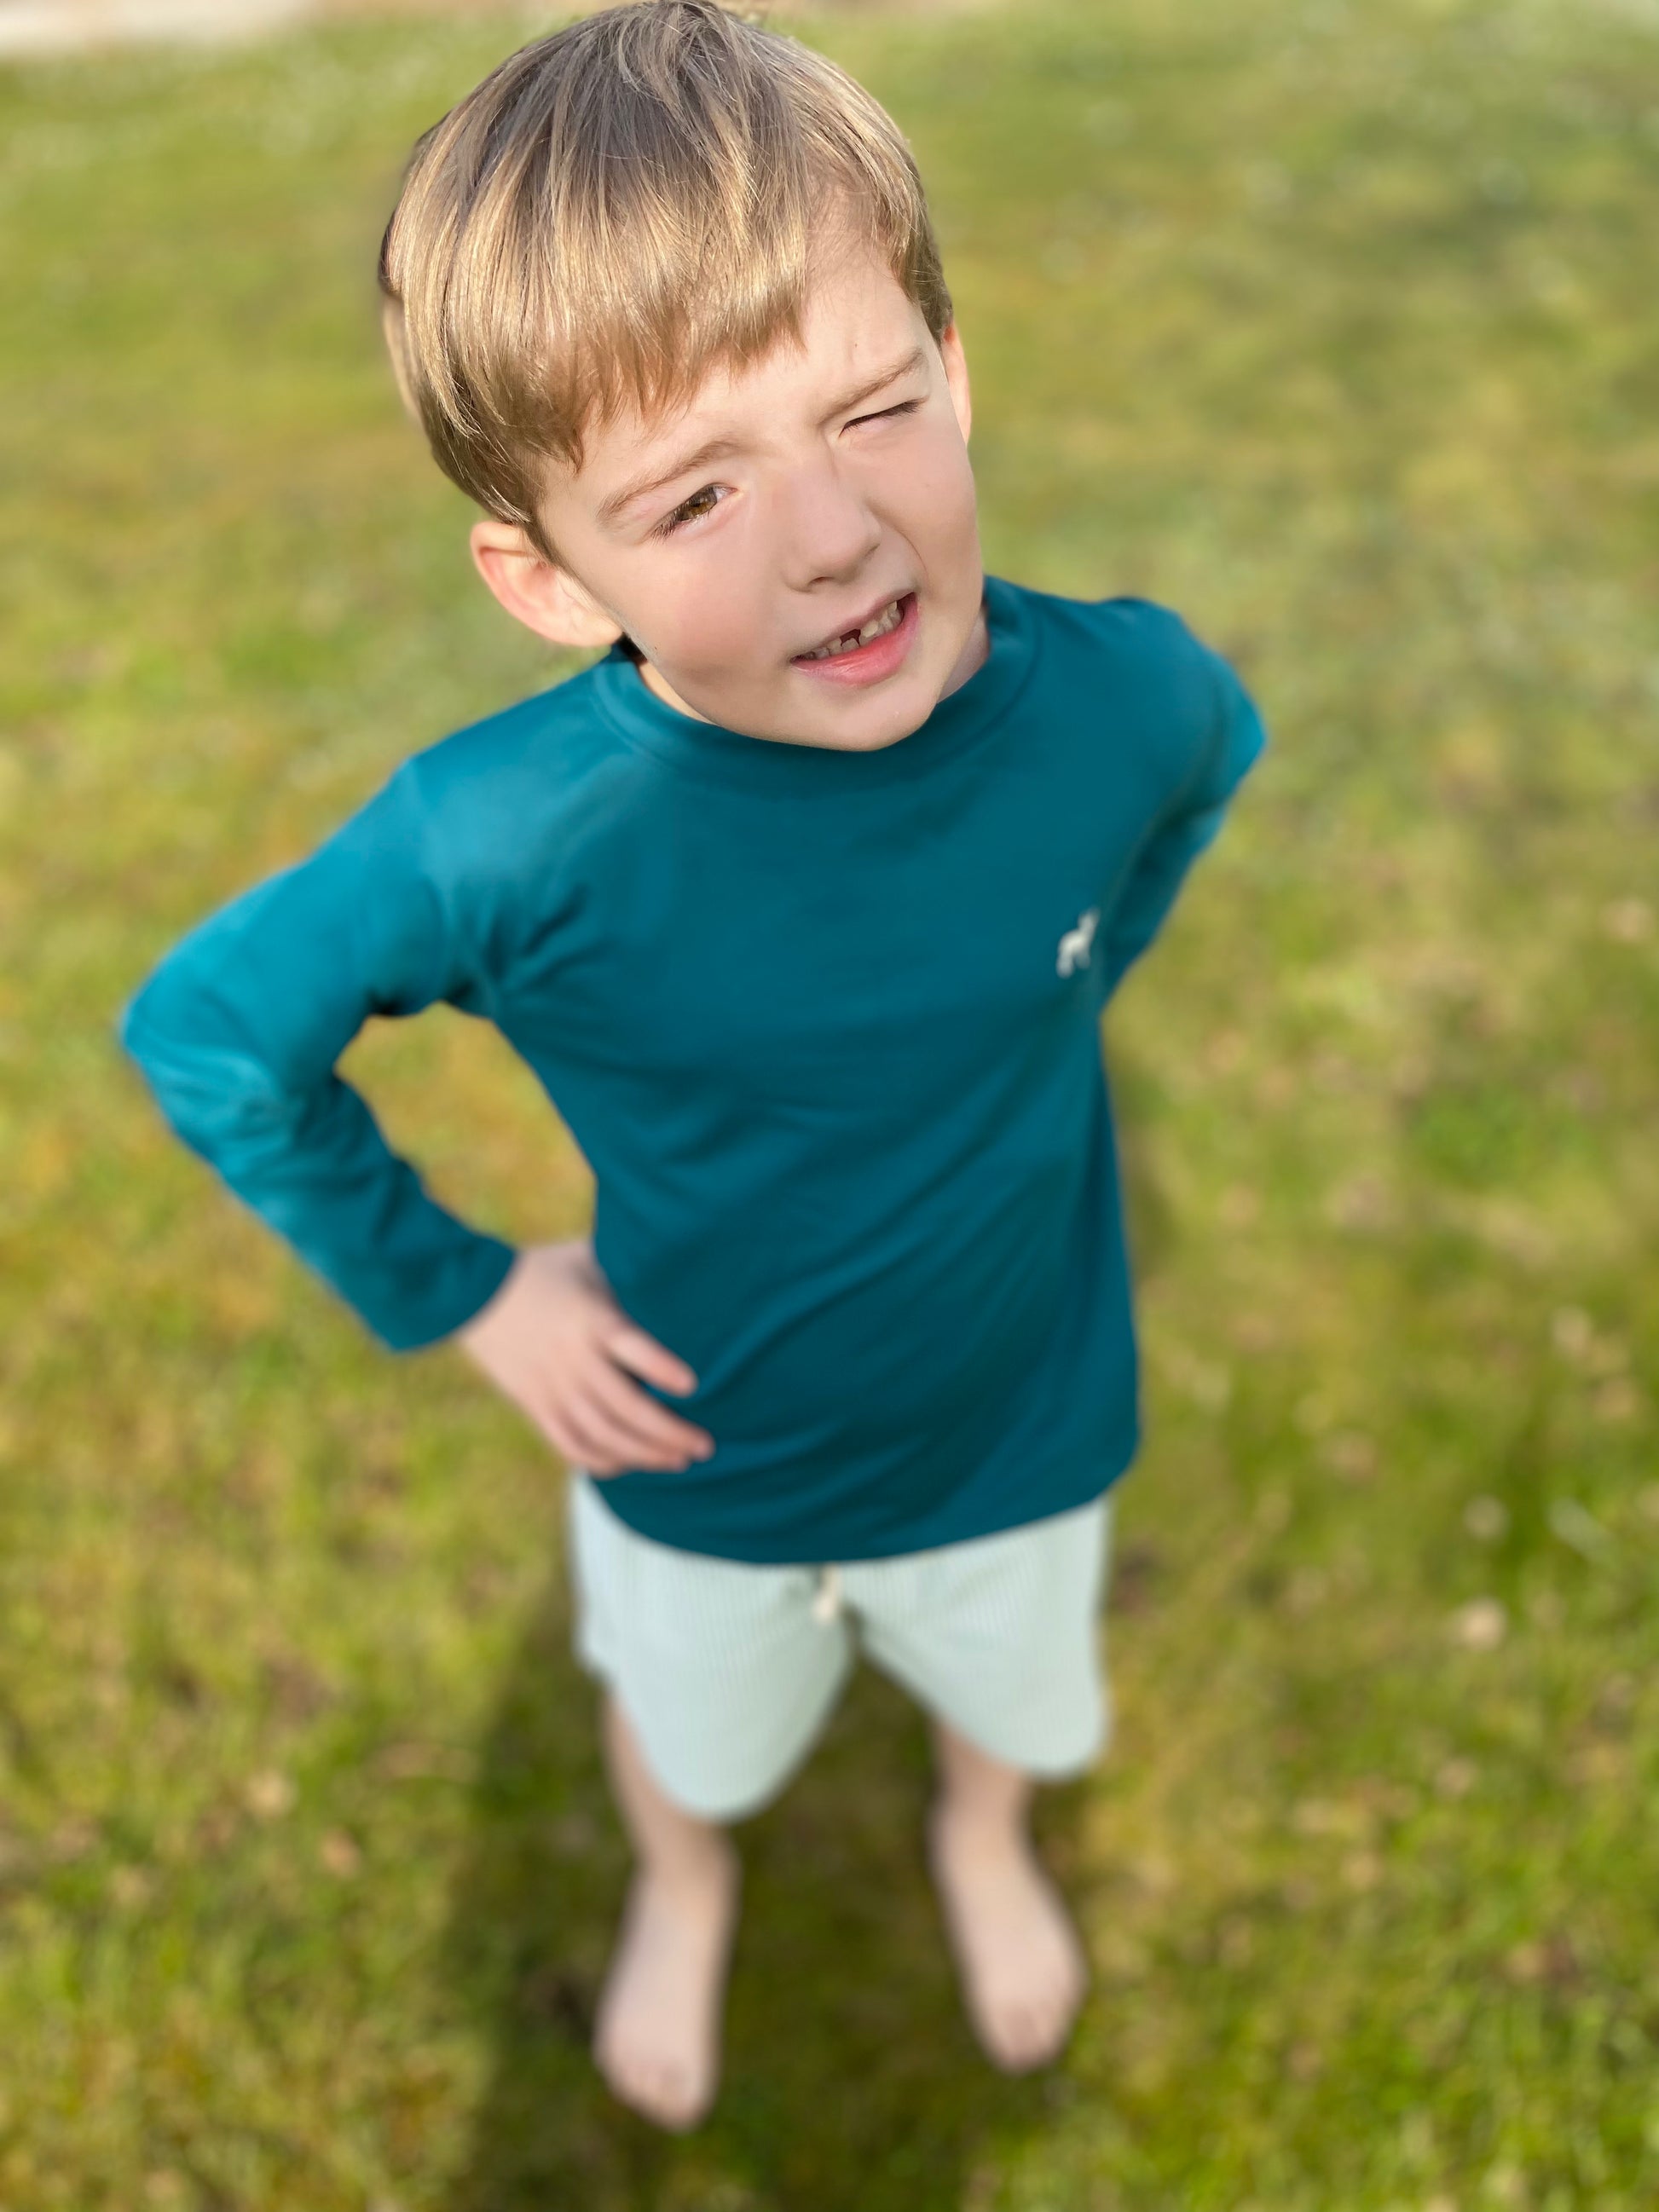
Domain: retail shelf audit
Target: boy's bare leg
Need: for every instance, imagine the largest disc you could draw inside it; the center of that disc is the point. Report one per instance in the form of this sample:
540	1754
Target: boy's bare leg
657	2040
1022	1966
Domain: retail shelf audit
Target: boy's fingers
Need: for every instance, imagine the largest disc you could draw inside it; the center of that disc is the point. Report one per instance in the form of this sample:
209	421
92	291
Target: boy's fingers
572	1440
655	1424
632	1348
615	1441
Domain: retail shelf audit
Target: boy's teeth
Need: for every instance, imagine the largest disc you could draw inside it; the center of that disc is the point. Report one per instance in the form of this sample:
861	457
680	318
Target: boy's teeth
878	626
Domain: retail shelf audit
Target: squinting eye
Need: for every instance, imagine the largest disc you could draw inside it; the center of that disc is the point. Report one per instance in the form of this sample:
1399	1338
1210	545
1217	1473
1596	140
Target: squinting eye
691	510
904	407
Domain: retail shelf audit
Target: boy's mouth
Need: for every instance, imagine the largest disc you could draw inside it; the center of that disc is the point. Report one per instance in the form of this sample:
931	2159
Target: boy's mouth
869	651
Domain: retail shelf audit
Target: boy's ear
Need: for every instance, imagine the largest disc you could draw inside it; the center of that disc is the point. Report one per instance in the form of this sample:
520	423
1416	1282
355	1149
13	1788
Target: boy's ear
538	593
956	375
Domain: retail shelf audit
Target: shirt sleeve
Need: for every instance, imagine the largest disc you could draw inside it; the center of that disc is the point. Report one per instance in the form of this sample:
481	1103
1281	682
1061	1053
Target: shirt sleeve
1236	737
237	1031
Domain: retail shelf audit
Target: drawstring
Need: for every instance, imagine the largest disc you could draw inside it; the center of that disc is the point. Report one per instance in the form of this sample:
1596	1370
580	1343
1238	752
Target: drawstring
826	1603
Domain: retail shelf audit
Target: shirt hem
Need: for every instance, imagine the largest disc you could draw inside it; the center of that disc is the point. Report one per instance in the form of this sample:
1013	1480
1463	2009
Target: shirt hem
786	1552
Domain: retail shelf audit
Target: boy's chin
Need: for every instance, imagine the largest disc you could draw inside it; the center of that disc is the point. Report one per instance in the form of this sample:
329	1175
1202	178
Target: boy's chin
867	725
870	726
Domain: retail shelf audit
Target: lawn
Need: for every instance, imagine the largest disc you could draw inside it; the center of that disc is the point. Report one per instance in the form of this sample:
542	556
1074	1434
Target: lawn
1331	325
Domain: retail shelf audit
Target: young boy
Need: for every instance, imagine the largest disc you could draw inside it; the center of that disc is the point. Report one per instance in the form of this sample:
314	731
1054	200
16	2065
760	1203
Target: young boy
804	902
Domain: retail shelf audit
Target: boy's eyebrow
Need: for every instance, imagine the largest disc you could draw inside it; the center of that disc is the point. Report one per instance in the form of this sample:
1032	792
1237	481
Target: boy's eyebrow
715	449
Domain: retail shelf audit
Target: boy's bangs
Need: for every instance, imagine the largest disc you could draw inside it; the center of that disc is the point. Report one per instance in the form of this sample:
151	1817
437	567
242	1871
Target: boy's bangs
677	308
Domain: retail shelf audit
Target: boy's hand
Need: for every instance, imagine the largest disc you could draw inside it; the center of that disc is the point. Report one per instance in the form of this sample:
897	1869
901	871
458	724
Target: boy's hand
555	1340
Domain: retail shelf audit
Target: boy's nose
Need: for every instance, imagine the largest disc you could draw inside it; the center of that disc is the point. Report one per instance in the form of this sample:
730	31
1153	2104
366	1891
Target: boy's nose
830	532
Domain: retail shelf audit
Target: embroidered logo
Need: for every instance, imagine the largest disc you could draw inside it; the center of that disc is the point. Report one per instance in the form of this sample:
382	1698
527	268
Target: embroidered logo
1074	945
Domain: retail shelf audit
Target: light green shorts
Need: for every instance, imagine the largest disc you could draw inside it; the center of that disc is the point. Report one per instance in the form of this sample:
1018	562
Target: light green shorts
728	1671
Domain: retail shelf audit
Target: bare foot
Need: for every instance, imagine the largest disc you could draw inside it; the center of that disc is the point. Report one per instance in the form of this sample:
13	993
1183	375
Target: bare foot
1022	1966
657	2040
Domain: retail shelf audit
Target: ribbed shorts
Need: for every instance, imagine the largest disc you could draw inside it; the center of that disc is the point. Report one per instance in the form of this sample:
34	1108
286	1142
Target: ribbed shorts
728	1671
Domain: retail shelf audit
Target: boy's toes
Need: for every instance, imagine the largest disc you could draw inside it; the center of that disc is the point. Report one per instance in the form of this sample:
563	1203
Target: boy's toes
1044	2029
661	2090
676	2100
1000	2042
1023	2038
1030	2039
657	2093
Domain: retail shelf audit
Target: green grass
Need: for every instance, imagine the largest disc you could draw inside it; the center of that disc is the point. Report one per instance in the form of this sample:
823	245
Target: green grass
1332	325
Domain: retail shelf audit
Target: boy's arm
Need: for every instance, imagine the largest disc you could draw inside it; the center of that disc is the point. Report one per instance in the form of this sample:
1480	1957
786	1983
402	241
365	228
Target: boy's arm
238	1030
1236	739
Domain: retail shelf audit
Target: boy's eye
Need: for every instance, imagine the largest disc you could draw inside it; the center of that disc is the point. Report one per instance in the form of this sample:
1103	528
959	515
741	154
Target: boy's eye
691	510
904	407
704	501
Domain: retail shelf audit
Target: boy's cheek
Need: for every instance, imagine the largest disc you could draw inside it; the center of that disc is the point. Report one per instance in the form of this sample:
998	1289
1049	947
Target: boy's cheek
709	639
934	509
946	494
719	653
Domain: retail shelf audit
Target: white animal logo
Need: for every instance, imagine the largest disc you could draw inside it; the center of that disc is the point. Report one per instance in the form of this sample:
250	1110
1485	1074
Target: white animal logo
1074	945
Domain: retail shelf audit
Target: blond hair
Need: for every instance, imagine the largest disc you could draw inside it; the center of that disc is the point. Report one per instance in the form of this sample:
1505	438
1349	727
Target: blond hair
614	211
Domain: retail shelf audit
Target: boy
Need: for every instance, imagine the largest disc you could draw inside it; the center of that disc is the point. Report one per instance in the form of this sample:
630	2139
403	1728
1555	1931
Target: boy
804	902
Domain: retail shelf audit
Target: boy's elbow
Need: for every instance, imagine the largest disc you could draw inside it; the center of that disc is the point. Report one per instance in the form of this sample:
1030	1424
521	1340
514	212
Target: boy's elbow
132	1022
142	1027
213	1091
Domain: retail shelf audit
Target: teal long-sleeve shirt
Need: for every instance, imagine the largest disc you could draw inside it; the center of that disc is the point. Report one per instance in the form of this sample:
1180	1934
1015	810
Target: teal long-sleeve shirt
825	1026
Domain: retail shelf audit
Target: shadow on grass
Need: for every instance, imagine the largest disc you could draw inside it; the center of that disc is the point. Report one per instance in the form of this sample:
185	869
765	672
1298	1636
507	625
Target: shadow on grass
850	2077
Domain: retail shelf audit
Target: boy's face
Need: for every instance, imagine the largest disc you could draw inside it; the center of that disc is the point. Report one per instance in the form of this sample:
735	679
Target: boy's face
822	490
